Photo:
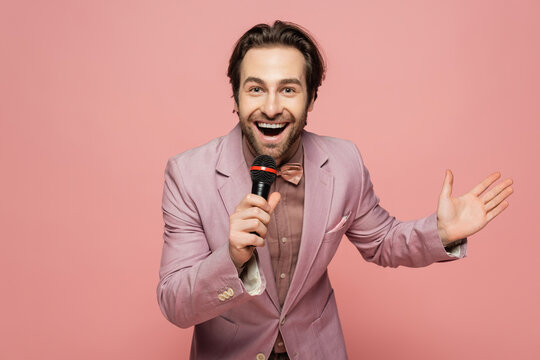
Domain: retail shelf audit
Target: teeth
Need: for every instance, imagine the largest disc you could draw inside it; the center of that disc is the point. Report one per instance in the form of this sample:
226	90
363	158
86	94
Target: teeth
271	126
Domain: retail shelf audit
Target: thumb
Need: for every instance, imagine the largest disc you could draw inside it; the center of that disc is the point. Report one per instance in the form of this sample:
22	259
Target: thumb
447	184
273	200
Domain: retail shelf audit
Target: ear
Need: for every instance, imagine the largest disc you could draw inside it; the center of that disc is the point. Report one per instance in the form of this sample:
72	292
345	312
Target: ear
310	107
235	108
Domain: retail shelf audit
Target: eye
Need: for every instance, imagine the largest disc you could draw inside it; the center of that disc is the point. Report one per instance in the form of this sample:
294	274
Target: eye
255	89
289	90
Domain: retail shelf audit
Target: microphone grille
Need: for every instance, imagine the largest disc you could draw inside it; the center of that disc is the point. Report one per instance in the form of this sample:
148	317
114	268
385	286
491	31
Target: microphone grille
265	176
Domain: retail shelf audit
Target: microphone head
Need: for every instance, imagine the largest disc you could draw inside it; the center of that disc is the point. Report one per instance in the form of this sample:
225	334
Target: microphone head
263	169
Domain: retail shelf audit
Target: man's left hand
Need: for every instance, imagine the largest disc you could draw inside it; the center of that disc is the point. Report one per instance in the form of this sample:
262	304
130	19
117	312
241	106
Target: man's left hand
458	218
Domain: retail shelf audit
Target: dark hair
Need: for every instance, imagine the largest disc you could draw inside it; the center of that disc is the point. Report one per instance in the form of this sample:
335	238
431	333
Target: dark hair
285	34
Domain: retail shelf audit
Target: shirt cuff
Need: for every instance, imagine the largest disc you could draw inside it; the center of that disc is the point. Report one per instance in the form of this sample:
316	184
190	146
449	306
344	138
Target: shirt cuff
454	248
251	277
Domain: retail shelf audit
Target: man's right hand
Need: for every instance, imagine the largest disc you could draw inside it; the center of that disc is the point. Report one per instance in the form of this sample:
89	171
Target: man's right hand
251	216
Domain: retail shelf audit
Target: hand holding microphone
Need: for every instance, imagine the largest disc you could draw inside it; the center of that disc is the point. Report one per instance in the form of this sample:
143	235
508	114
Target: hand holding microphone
248	223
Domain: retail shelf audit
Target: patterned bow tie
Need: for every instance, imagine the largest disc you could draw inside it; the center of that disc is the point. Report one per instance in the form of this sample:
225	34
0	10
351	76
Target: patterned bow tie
291	172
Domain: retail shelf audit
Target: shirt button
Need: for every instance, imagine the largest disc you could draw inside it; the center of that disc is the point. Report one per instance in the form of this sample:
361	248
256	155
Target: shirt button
260	356
282	275
221	297
284	240
282	321
280	343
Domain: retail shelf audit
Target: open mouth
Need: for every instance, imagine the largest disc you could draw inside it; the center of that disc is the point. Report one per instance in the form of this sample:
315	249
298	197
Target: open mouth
271	129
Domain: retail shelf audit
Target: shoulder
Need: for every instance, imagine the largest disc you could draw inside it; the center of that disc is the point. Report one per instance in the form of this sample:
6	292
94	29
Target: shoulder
195	168
223	152
200	156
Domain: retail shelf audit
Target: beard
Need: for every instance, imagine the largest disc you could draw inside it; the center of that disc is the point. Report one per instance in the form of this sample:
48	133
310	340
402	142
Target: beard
281	151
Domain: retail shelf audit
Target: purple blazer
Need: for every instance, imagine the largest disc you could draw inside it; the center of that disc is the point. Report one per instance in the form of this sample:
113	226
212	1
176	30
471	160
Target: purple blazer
199	284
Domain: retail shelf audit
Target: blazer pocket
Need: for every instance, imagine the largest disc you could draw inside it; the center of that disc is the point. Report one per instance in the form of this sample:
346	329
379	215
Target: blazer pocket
336	232
220	332
340	224
327	330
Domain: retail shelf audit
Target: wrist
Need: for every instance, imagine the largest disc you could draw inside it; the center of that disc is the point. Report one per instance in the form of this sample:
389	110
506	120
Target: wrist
443	235
238	263
240	269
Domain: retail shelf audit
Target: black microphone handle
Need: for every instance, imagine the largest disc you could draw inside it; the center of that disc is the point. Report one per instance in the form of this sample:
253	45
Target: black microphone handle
260	188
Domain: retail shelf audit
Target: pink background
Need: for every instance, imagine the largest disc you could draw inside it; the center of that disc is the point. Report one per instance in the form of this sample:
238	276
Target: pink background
95	96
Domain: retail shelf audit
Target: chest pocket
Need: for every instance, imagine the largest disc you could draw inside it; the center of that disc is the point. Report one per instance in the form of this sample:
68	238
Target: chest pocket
337	230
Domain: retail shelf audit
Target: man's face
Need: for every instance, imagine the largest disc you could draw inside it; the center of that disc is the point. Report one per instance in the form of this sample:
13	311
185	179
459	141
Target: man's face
272	100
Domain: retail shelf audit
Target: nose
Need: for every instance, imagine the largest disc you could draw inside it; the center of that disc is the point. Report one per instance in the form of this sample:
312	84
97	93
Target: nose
271	107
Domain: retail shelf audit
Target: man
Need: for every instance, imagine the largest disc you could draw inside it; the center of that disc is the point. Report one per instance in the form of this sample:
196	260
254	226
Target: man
250	274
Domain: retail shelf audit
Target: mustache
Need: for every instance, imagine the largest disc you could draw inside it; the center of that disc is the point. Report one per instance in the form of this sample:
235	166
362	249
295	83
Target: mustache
262	117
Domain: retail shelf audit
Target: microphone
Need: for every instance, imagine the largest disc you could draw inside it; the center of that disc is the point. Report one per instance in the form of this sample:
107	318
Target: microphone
263	173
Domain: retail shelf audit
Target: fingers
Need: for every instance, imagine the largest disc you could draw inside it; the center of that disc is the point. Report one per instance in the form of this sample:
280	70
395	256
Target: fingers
480	188
273	200
247	225
447	184
244	240
498	199
252	208
494	196
251	225
499	209
251	200
252	213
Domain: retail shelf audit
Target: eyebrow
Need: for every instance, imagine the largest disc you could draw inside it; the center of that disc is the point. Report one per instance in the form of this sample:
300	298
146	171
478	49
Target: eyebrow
281	82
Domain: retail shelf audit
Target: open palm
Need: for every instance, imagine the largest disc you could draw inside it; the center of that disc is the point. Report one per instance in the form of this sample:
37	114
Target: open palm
460	217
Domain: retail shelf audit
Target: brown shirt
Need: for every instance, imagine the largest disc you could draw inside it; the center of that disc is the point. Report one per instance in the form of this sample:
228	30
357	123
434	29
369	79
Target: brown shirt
285	229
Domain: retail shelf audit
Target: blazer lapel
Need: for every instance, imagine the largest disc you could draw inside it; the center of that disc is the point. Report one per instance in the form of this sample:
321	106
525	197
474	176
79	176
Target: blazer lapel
317	200
234	182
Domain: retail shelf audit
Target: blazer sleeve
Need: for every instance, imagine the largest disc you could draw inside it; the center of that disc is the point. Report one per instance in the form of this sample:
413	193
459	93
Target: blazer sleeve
386	241
196	284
